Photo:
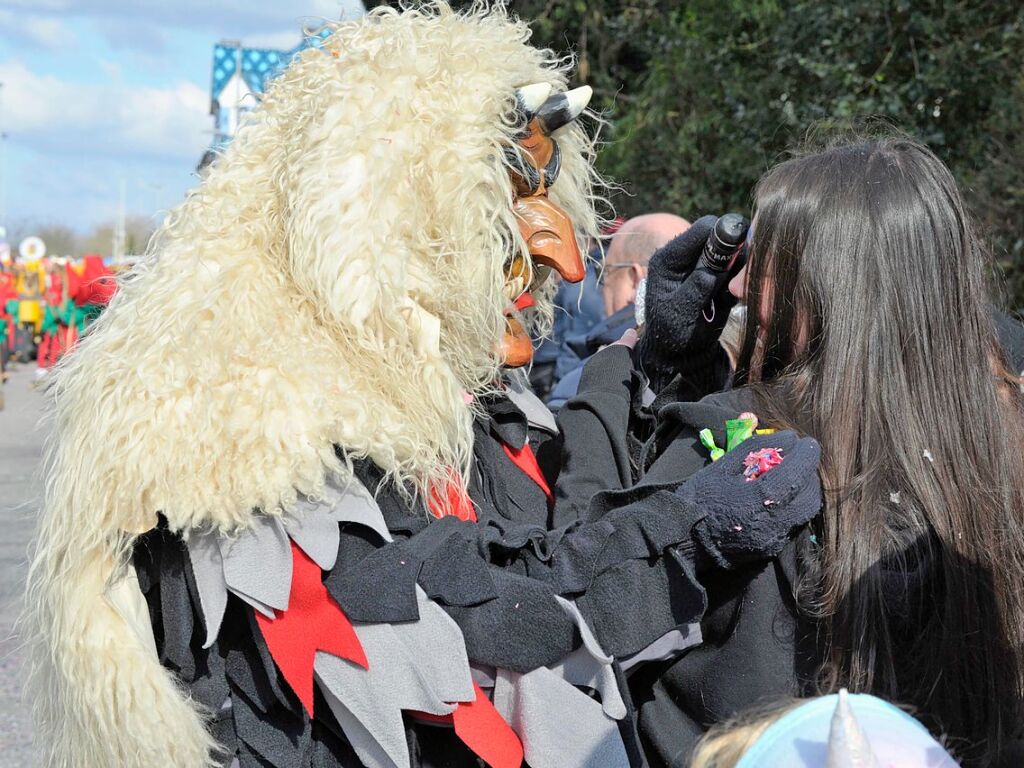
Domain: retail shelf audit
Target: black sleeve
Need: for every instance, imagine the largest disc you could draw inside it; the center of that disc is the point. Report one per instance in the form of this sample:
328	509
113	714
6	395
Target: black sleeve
1011	338
630	565
593	426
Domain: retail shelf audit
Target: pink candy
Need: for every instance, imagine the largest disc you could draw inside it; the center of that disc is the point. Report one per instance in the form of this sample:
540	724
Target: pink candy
759	462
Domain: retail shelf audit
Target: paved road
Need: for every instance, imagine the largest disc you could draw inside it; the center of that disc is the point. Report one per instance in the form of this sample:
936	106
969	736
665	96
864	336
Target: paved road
21	441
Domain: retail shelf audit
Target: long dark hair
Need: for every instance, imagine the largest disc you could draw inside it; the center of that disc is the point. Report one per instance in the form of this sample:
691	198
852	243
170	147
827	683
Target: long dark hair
869	327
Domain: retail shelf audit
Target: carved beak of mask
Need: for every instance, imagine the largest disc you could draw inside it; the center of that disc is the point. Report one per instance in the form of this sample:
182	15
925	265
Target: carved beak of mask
546	228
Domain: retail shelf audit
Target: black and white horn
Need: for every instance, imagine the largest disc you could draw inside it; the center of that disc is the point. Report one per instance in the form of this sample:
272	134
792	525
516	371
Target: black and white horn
562	108
532	97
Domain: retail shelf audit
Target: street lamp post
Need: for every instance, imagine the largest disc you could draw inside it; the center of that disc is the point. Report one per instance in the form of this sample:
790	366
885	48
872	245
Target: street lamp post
119	228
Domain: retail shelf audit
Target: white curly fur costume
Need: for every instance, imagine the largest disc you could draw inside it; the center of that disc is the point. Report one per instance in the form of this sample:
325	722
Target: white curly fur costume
336	280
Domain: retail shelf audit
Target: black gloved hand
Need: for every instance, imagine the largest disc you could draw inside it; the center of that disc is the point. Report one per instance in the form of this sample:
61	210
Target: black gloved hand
678	338
753	519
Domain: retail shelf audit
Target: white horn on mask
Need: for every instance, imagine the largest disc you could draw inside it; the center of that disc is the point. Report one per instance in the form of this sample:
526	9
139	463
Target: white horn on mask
532	97
562	108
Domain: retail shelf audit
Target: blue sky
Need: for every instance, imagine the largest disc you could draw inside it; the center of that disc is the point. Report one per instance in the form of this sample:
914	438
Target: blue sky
95	91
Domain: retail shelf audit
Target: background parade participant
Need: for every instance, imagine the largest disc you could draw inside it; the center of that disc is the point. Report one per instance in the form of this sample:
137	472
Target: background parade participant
625	265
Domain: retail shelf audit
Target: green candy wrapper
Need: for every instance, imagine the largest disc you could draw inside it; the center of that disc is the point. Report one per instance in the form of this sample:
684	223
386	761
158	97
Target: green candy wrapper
738	430
708	441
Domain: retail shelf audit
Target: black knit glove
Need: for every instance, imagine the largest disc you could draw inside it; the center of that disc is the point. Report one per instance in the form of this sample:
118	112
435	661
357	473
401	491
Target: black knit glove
753	519
678	338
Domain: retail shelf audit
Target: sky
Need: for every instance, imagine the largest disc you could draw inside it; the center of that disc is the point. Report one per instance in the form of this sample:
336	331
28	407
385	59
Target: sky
99	91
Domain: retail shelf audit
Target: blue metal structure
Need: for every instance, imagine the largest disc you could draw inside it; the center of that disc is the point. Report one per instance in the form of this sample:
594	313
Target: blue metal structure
240	75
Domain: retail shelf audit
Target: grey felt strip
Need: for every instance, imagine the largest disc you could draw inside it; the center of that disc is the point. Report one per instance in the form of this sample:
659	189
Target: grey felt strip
369	750
537	414
263	608
647	397
208	571
356	505
669	645
316	532
419	665
314	525
483	675
258	563
589	666
559	725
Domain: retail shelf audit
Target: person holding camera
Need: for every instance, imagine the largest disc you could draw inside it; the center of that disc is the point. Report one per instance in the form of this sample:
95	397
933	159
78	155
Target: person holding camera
870	328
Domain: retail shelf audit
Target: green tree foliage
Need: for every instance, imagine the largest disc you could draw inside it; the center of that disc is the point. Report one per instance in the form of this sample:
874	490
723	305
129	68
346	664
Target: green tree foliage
703	96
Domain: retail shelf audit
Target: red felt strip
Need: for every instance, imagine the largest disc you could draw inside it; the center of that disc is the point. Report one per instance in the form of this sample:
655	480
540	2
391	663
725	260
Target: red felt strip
313	622
481	728
525	459
43	351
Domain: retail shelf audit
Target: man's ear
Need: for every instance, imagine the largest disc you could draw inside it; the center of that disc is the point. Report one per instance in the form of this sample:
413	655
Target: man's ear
637	272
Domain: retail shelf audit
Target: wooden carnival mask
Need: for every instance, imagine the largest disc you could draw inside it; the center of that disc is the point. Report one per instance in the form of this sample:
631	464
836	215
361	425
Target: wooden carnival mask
546	228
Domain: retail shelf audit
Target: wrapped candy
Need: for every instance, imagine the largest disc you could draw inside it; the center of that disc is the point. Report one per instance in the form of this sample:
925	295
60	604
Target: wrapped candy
759	462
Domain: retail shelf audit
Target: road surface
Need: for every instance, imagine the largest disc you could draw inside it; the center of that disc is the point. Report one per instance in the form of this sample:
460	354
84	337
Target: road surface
21	442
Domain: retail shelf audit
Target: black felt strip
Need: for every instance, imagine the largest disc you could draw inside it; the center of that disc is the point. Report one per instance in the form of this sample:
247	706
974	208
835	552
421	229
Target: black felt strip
176	613
506	422
161	560
247	758
378	588
473	585
628	724
329	748
280	737
401	519
210	687
248	665
524	628
633	603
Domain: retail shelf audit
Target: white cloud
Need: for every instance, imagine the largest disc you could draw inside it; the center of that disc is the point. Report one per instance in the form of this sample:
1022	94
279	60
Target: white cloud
337	9
48	33
112	68
281	41
245	16
129	34
53	115
126	99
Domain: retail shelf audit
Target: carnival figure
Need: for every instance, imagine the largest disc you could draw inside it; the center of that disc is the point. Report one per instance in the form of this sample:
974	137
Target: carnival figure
328	299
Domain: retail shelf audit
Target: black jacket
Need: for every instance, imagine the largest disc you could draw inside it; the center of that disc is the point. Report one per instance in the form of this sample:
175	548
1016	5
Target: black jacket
756	646
497	578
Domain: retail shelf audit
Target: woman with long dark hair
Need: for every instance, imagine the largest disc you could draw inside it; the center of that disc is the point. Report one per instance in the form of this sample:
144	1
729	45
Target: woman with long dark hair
870	328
